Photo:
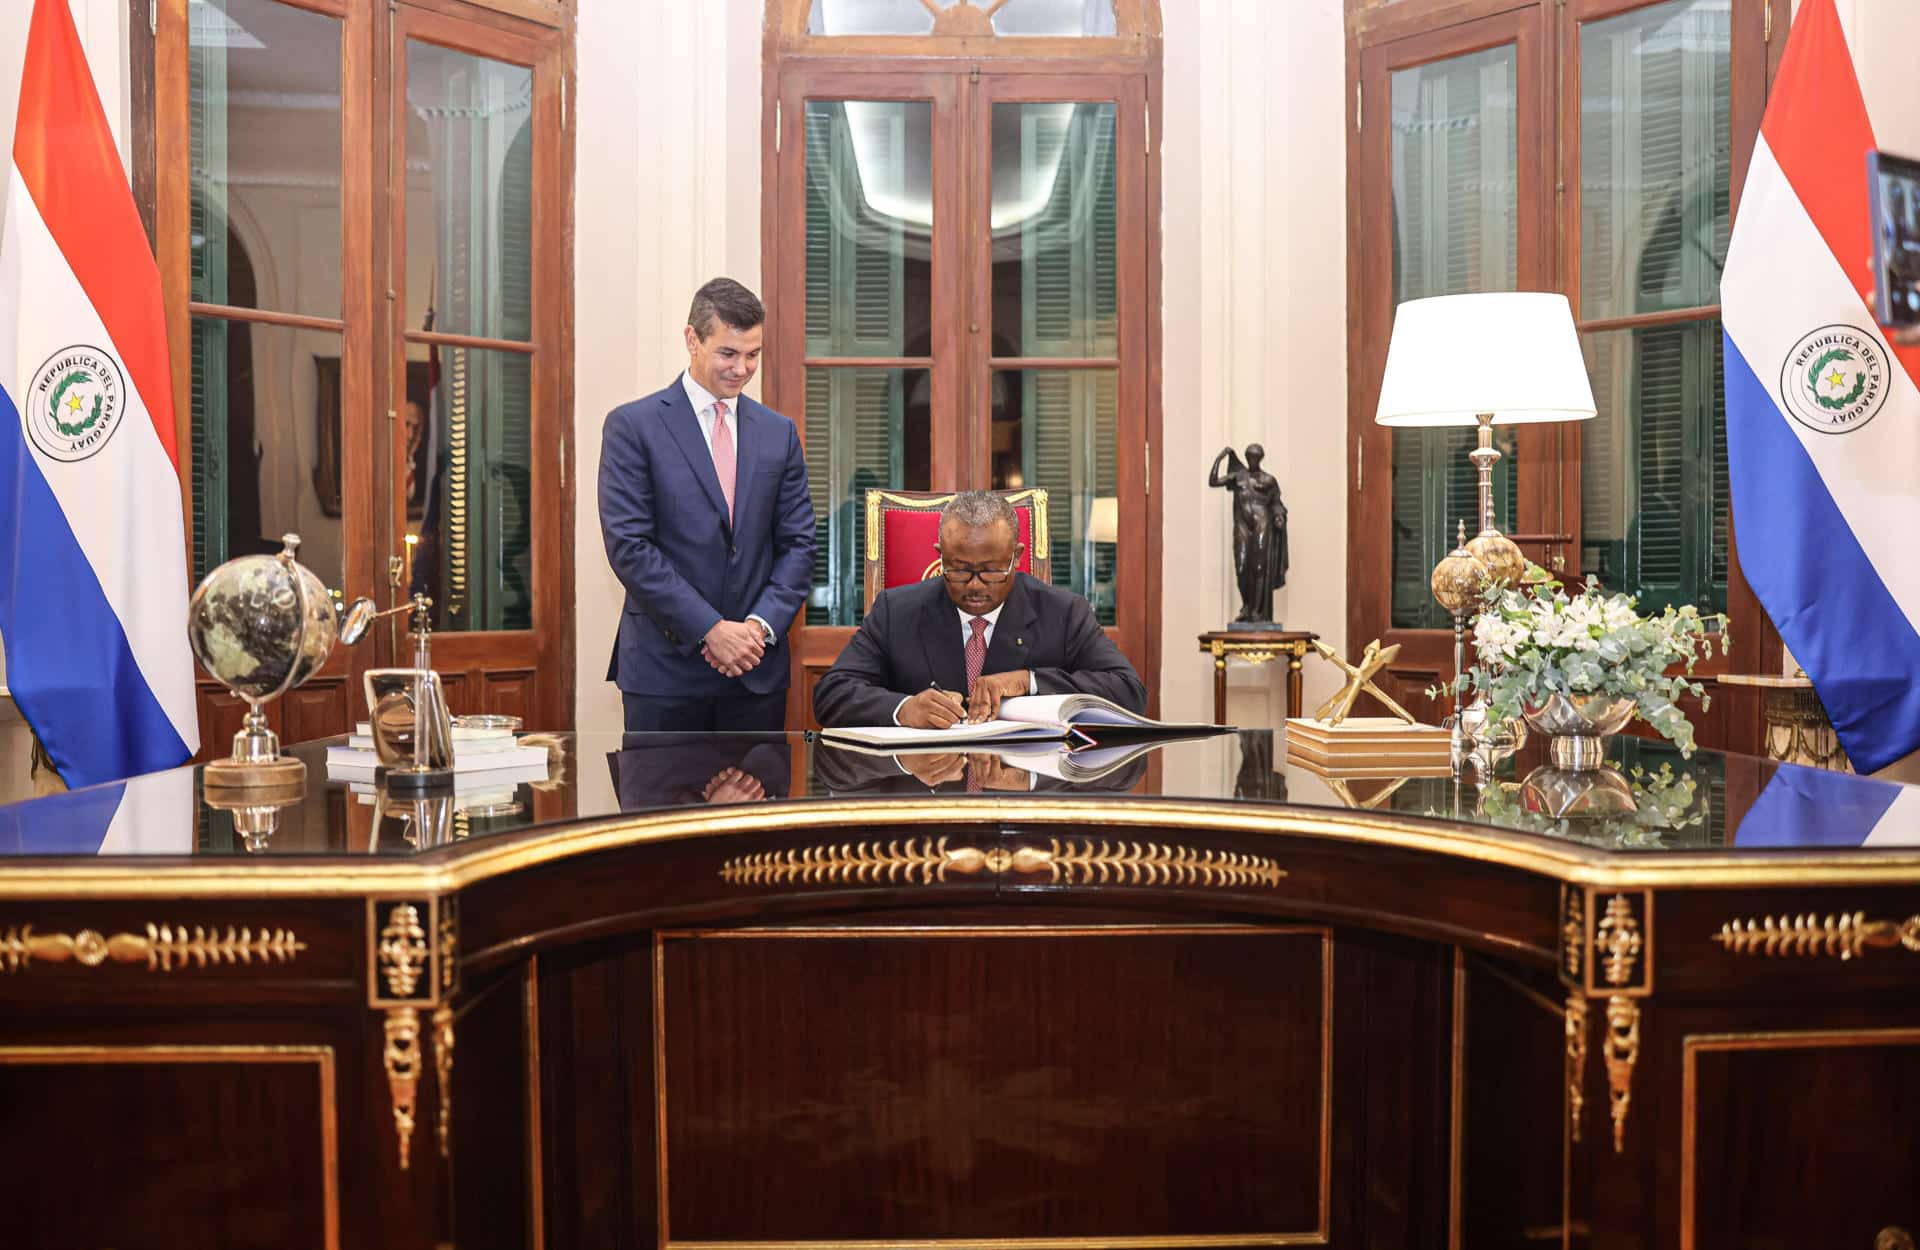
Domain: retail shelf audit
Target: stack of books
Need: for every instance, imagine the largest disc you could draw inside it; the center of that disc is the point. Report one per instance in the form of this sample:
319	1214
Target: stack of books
474	750
1368	746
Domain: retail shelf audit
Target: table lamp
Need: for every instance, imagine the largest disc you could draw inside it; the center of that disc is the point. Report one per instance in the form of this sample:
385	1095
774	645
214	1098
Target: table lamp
1496	358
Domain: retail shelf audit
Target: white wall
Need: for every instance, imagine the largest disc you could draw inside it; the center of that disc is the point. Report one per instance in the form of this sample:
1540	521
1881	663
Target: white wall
1255	288
1253	252
667	195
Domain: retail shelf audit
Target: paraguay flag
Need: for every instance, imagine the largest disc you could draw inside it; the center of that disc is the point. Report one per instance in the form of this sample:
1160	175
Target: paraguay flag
93	578
1823	416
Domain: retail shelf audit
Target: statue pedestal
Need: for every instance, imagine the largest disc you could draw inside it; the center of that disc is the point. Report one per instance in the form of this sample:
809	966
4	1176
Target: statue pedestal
1256	644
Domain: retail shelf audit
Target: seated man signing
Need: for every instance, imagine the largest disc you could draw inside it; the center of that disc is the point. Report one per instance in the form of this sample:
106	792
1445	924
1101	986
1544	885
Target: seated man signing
950	648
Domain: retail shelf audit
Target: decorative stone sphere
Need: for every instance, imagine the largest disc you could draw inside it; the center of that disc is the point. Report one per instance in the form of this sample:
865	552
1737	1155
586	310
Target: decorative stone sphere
1501	555
261	625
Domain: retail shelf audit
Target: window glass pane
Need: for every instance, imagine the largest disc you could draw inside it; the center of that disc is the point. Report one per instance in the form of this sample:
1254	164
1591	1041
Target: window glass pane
1055	257
869	228
871	17
1653	471
266	443
1656	151
866	429
469	194
474	414
1055	17
1456	205
263	112
1060	429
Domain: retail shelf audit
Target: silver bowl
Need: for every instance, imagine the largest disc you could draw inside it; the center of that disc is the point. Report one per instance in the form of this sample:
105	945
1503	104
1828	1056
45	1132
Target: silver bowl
1577	725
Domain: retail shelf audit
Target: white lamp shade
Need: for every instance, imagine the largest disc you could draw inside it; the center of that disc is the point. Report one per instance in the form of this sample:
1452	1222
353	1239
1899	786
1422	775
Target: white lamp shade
1514	354
1104	524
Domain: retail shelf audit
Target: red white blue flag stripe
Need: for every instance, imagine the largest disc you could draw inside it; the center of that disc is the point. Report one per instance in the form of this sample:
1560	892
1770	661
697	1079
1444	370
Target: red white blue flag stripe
93	580
1823	414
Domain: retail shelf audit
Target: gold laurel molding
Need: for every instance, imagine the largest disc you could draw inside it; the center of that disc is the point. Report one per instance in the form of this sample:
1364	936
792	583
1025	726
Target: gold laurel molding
1841	937
1150	863
1065	861
162	948
1617	942
403	950
1576	1060
443	1074
402	1057
1622	1049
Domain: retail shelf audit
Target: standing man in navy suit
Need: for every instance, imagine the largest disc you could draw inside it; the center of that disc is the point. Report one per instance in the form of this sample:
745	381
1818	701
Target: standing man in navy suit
708	525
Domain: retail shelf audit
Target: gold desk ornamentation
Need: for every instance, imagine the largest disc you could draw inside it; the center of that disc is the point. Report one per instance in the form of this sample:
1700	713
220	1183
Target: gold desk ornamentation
1841	937
403	950
402	1057
1573	934
1359	678
162	948
1617	941
1065	861
1576	1060
443	1075
1622	1044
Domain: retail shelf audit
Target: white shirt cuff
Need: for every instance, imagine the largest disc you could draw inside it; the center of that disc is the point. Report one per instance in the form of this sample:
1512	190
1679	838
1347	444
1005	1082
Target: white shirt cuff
896	710
1033	683
773	639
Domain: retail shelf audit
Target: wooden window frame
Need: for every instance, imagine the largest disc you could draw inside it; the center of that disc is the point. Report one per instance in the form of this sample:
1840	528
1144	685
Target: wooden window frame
1382	37
538	33
797	66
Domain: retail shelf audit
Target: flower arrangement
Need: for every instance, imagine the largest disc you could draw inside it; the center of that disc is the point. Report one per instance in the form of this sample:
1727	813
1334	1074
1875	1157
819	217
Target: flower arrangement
1535	640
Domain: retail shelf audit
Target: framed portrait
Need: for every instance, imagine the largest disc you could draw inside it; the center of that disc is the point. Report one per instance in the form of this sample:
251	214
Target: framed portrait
418	414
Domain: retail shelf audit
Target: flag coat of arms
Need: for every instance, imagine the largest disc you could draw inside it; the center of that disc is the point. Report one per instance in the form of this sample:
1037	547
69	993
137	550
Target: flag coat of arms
1823	414
93	579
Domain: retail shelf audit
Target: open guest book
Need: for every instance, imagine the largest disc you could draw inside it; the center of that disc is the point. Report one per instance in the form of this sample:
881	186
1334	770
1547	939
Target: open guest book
1028	718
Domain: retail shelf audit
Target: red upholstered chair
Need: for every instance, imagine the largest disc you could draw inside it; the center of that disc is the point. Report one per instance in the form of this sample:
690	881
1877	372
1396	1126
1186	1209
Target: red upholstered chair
903	525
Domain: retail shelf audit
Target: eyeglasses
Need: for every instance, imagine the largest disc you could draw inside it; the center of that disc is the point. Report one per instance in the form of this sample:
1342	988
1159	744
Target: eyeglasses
988	577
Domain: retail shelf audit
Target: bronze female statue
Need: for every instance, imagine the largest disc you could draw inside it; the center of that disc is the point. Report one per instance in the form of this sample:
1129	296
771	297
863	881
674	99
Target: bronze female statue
1259	533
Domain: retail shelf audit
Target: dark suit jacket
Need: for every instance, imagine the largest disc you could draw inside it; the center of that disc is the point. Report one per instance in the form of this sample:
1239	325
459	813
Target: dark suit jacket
683	564
911	639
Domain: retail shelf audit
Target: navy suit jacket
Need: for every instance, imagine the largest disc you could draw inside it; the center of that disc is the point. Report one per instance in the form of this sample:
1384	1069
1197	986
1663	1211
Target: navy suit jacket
683	564
911	639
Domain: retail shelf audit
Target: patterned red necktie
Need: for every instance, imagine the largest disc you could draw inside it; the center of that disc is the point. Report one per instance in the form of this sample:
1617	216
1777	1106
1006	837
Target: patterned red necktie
976	662
723	453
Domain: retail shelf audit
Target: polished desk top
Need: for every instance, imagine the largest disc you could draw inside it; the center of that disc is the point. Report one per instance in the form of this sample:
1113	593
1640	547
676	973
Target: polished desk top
1711	818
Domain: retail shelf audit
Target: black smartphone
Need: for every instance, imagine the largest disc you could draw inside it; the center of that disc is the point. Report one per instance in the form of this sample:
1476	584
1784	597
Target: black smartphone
1894	192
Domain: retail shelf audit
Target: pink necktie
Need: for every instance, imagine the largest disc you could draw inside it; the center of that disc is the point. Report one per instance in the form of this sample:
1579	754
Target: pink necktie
723	453
976	651
976	661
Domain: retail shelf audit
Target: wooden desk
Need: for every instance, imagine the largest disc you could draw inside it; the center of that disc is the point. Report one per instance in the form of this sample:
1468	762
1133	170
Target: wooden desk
1140	1011
1255	647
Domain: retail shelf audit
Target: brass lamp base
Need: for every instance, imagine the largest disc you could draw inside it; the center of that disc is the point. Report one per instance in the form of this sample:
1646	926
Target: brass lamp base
277	772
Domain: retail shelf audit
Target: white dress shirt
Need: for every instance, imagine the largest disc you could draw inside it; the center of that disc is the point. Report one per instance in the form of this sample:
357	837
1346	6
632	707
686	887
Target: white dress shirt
703	401
705	408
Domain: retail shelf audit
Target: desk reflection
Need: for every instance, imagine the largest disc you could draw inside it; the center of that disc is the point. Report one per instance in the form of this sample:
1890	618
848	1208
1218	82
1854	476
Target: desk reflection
1043	768
678	770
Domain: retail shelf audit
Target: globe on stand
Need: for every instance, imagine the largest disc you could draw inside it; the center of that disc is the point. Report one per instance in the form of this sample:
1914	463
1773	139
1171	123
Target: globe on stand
261	625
